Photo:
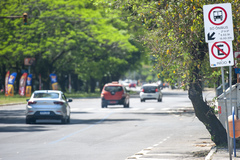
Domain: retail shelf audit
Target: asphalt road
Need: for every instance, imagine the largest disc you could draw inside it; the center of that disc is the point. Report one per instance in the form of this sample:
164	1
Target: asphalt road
112	133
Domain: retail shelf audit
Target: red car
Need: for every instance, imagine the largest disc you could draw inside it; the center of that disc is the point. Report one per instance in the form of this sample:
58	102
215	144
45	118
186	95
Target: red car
114	94
132	85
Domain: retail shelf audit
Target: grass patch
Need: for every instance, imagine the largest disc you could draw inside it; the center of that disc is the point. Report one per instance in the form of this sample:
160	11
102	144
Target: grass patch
82	95
14	99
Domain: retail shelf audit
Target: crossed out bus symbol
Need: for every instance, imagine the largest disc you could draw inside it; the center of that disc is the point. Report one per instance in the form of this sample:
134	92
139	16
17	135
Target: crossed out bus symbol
217	15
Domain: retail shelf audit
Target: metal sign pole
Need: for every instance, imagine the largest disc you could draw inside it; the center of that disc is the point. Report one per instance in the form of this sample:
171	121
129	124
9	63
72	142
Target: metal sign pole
230	84
230	96
225	101
234	138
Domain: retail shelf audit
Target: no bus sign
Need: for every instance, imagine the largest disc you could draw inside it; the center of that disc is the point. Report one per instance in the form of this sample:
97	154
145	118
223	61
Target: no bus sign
221	54
218	23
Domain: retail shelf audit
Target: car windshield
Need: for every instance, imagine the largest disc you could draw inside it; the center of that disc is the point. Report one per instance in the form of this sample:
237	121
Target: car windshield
46	95
113	88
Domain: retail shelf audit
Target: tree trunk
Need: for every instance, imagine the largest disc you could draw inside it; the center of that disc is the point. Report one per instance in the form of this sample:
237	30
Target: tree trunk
92	85
86	86
62	82
205	113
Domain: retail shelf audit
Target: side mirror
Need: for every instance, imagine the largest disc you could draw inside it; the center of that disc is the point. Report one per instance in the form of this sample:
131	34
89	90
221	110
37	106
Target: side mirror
27	100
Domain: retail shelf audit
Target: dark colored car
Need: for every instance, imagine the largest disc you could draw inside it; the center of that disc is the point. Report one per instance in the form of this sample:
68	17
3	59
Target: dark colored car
114	94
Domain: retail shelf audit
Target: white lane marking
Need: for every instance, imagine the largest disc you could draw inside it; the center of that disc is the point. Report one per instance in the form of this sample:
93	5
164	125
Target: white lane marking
165	109
135	109
147	150
150	109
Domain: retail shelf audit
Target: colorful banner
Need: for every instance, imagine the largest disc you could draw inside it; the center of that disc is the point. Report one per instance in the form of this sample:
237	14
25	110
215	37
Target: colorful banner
22	84
53	78
6	83
10	83
29	86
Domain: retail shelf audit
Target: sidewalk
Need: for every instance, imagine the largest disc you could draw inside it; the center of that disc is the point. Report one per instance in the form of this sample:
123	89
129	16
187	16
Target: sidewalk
194	148
222	154
196	145
191	143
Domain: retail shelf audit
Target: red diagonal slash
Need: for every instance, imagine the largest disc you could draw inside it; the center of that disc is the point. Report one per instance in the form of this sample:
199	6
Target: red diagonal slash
220	49
224	53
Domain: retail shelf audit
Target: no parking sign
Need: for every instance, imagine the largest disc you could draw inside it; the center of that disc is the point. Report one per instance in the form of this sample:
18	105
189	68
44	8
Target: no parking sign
220	54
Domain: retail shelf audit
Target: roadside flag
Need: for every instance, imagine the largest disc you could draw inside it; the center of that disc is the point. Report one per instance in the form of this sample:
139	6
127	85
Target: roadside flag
22	84
29	86
54	81
6	83
10	83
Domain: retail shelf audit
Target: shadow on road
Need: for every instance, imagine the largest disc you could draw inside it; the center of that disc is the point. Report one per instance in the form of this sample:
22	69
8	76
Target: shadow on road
189	114
105	121
27	128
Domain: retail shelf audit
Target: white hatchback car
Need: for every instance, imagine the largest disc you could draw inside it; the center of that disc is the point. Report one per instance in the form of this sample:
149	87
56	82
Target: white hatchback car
150	91
48	104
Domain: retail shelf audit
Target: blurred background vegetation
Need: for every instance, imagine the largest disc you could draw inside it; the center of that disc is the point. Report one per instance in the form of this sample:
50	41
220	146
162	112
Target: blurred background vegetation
92	42
71	38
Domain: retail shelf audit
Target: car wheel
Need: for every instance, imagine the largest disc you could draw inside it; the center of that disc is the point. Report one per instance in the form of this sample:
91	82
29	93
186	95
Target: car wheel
63	120
104	104
142	100
33	121
159	99
28	121
126	105
68	120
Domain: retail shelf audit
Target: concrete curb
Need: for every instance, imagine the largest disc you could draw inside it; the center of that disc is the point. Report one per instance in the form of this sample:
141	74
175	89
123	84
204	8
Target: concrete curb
210	154
7	104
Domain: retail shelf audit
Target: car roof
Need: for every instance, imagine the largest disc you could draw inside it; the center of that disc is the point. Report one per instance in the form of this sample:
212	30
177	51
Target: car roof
113	84
47	91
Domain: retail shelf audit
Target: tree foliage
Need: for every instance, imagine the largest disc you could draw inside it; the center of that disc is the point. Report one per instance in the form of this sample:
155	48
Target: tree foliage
67	37
175	30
